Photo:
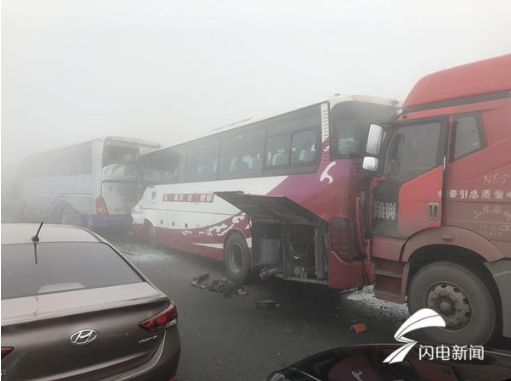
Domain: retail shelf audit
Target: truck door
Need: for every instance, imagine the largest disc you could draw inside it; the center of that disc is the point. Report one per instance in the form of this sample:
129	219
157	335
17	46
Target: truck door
408	197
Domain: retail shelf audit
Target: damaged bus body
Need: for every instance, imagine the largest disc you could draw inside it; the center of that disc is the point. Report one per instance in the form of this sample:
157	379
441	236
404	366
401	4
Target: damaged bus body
92	184
441	201
273	196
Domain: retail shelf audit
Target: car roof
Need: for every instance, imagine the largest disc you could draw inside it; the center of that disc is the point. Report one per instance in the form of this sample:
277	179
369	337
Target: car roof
23	233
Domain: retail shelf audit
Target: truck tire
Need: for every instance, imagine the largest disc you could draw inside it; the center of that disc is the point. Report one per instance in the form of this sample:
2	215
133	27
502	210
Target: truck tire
151	236
461	296
237	258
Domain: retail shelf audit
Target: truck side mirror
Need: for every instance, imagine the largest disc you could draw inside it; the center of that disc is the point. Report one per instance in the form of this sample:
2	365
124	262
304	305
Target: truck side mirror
374	138
370	163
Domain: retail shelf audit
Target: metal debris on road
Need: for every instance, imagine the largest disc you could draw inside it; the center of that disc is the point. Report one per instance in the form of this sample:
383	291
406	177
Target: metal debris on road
200	281
265	304
221	285
358	328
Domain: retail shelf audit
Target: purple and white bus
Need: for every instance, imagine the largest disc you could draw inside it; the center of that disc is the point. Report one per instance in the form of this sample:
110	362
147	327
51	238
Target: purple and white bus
274	195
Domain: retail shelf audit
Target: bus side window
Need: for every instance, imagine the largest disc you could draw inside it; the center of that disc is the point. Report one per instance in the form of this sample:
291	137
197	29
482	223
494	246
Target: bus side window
303	147
467	136
203	161
241	154
277	151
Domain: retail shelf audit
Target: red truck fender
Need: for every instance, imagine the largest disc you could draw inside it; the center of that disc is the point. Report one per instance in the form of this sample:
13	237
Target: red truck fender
451	236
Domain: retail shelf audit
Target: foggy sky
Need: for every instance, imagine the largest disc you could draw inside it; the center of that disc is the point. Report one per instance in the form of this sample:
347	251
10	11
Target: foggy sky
73	70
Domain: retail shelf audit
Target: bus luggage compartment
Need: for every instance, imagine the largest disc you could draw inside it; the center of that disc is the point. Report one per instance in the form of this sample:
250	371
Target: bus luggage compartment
301	236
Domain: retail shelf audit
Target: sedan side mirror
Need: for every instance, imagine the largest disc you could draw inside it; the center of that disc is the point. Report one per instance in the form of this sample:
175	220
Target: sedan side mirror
374	139
370	163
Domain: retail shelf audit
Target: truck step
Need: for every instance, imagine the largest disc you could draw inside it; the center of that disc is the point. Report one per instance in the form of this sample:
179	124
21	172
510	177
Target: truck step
388	296
388	273
303	280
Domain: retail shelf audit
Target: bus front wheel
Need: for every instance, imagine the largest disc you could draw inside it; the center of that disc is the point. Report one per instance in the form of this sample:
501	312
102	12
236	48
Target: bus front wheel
151	236
237	258
463	298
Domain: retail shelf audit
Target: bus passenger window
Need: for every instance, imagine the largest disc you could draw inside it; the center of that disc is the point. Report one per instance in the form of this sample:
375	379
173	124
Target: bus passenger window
241	155
203	161
303	147
277	153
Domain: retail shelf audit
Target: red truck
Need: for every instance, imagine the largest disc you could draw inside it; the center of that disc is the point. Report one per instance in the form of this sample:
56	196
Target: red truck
439	214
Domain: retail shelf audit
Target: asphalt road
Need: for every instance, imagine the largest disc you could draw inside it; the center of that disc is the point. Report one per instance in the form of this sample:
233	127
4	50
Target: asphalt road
228	338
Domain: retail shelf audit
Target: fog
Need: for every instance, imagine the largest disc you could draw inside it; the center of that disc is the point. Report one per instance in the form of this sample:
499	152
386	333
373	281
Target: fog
166	71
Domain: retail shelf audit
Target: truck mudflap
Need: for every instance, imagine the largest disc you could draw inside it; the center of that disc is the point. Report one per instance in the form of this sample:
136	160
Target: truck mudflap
277	208
501	272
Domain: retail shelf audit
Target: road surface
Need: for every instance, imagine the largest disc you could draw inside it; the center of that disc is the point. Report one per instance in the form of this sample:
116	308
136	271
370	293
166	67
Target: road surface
228	338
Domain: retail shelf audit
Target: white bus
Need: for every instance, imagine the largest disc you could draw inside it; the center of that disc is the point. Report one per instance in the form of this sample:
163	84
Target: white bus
273	194
92	184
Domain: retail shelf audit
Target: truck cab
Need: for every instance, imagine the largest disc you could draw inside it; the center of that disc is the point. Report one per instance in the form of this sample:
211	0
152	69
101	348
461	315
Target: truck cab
440	201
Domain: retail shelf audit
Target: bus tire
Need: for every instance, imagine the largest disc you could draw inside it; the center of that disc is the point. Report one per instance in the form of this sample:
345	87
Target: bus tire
237	258
462	297
151	236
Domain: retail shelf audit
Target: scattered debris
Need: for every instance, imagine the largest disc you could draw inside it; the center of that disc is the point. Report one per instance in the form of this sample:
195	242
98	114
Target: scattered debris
347	291
200	281
266	304
221	285
268	272
203	277
358	328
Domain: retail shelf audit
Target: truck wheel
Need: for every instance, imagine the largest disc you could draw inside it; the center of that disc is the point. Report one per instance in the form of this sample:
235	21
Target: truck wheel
463	298
237	258
151	236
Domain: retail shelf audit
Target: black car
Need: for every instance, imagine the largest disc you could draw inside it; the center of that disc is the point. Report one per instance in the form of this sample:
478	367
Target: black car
365	363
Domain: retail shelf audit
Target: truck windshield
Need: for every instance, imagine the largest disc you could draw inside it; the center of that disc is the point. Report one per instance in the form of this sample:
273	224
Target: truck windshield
350	125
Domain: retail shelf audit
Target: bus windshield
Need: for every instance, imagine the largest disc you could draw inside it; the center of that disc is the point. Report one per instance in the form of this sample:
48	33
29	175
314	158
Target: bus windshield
350	125
117	151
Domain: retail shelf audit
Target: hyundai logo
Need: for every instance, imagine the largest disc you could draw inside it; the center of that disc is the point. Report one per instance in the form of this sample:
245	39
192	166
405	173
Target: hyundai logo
83	337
